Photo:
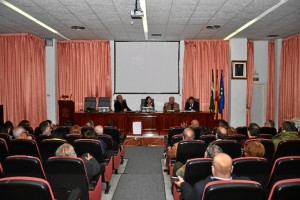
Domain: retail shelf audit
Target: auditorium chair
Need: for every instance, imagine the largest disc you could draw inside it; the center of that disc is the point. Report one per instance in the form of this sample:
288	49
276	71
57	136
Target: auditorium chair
5	136
72	137
173	131
40	138
208	138
68	174
89	104
287	148
257	169
234	190
21	165
19	187
196	169
176	138
93	147
242	130
48	148
268	130
86	128
116	152
201	130
288	189
3	150
230	147
24	147
269	147
284	168
237	137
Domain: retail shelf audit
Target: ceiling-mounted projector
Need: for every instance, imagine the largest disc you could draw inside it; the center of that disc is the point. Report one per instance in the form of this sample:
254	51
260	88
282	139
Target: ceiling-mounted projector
138	14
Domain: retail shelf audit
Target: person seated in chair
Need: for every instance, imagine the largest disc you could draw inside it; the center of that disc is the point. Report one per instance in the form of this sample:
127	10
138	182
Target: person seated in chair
254	149
221	170
192	105
120	105
91	134
20	133
92	166
148	102
171	105
270	123
45	128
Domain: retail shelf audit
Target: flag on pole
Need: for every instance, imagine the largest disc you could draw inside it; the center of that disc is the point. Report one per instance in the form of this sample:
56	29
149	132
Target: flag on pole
221	99
212	105
216	94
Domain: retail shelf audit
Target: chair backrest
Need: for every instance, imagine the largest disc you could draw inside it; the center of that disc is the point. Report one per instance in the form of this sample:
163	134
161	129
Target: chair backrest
5	136
257	169
113	132
174	131
72	137
268	130
197	169
234	190
284	168
25	188
3	150
48	148
208	138
231	147
107	139
190	149
104	102
242	130
237	137
287	148
176	138
285	189
20	165
201	130
91	146
269	147
23	147
86	128
66	174
89	104
40	138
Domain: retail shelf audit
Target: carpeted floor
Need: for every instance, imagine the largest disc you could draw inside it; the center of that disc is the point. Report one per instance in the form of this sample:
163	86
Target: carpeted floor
143	177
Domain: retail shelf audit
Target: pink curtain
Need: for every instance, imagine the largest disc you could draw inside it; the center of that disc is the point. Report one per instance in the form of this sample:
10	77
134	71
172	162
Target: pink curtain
271	81
84	70
22	78
289	85
200	58
250	67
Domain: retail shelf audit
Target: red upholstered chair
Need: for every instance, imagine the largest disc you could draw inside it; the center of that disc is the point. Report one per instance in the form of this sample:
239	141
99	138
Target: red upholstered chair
287	148
3	150
25	188
21	165
24	147
208	138
257	169
284	168
66	174
174	131
242	130
285	189
176	138
40	138
237	137
48	148
6	137
231	147
234	190
93	147
72	137
268	130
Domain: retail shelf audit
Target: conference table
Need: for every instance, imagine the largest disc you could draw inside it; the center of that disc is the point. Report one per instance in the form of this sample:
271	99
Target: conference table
151	123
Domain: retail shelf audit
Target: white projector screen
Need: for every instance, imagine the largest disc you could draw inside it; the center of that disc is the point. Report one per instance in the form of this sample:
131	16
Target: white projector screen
146	67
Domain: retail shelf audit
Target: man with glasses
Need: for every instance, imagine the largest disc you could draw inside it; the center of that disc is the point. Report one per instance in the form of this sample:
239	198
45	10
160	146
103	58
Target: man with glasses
20	133
120	105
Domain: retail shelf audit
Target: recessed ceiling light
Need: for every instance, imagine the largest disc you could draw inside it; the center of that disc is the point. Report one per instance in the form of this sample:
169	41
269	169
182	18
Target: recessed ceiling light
78	27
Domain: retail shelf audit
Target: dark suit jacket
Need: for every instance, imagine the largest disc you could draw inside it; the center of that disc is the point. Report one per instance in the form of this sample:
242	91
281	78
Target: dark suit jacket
190	193
92	167
120	107
195	106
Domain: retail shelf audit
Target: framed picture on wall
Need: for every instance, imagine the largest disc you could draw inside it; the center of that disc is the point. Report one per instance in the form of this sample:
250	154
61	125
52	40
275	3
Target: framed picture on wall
238	69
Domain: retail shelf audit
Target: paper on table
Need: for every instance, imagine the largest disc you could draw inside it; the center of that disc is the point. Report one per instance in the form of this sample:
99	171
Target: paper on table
137	128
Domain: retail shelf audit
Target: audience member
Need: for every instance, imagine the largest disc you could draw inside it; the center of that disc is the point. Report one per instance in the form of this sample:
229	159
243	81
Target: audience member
45	127
270	123
10	125
289	131
120	105
221	133
20	133
171	105
253	130
91	134
210	152
192	105
223	123
113	124
50	124
26	125
89	123
254	149
148	102
221	170
92	167
75	130
194	124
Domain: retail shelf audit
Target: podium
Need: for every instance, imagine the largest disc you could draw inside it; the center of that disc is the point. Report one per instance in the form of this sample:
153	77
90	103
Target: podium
66	109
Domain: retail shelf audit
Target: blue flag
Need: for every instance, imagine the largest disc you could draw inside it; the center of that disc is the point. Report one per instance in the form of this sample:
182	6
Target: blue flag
221	99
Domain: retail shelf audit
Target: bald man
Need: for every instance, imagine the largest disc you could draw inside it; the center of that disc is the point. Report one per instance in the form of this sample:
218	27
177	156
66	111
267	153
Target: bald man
221	169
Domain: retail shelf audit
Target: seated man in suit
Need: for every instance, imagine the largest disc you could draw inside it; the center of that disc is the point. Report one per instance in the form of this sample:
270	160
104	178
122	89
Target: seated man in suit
171	105
192	105
120	105
221	170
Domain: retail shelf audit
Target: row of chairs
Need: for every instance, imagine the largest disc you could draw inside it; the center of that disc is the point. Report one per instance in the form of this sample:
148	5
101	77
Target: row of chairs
257	169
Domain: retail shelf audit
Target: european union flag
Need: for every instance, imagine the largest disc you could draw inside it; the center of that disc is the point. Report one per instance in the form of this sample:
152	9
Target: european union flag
221	99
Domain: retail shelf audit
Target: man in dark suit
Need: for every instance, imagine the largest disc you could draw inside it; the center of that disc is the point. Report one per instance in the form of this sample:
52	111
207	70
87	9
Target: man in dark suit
120	105
221	170
192	105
